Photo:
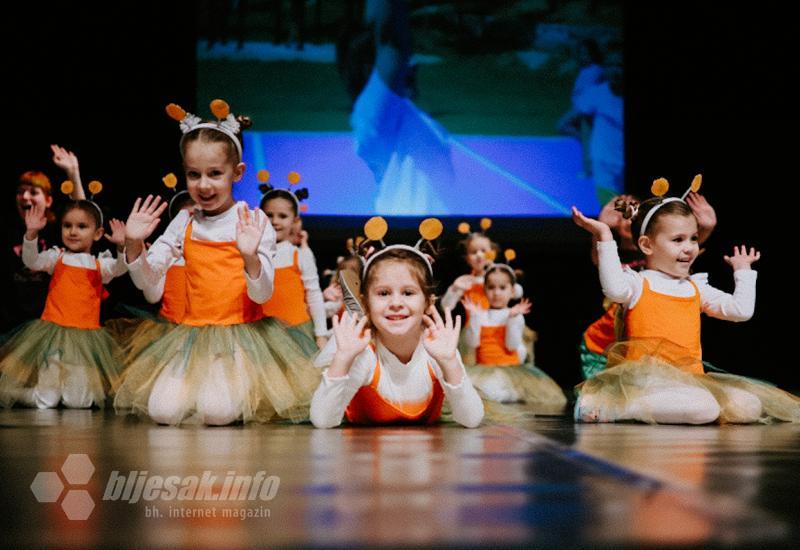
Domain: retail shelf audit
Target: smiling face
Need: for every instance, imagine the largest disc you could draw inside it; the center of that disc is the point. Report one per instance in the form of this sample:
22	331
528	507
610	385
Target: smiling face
210	174
499	289
395	300
79	230
29	195
478	248
280	212
673	247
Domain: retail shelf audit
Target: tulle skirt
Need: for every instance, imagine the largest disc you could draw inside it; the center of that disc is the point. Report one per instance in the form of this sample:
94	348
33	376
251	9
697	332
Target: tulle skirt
78	367
651	390
219	374
510	384
303	335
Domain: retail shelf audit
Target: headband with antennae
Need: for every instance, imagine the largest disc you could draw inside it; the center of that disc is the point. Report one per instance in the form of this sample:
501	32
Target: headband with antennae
267	189
375	229
95	187
226	122
659	189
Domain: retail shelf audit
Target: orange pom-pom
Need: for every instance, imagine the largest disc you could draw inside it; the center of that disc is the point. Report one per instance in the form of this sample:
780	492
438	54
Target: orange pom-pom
430	229
510	255
696	183
294	178
67	187
170	180
486	223
463	228
375	228
491	255
95	187
263	175
304	208
176	112
220	109
659	187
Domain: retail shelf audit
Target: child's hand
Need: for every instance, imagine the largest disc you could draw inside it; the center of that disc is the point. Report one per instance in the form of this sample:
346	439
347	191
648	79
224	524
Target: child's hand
441	336
303	239
321	341
333	293
117	235
464	283
741	259
609	215
35	221
144	218
64	159
598	229
522	308
249	230
470	306
351	336
704	212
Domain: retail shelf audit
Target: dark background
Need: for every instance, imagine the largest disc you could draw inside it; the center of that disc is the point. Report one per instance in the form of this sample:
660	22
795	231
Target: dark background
707	90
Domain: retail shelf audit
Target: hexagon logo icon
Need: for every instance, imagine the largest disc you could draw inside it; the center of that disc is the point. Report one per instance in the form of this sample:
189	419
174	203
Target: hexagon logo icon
77	504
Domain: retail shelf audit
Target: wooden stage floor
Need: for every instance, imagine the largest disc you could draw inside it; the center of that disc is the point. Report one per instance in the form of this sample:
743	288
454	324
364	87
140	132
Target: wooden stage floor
539	480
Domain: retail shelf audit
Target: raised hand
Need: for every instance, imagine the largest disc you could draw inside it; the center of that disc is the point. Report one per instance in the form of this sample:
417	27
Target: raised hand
333	292
441	335
144	218
742	259
64	159
464	282
117	235
249	230
522	308
609	215
705	214
351	336
598	229
35	221
470	306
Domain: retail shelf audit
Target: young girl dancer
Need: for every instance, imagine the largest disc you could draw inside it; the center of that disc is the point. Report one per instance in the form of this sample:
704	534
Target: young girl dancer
65	357
404	374
224	362
657	375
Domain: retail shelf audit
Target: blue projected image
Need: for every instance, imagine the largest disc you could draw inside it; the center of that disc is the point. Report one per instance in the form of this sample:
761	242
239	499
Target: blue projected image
428	108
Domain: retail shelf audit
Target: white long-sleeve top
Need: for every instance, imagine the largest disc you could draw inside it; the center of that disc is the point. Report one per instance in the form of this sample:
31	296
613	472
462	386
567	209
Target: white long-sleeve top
453	295
624	286
46	260
284	257
149	268
399	382
494	318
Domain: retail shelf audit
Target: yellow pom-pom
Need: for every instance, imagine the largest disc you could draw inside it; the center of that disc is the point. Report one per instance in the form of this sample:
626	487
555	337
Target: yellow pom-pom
220	109
263	175
375	228
95	187
463	228
510	255
67	187
176	112
170	180
486	223
294	178
659	187
696	183
430	229
491	255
